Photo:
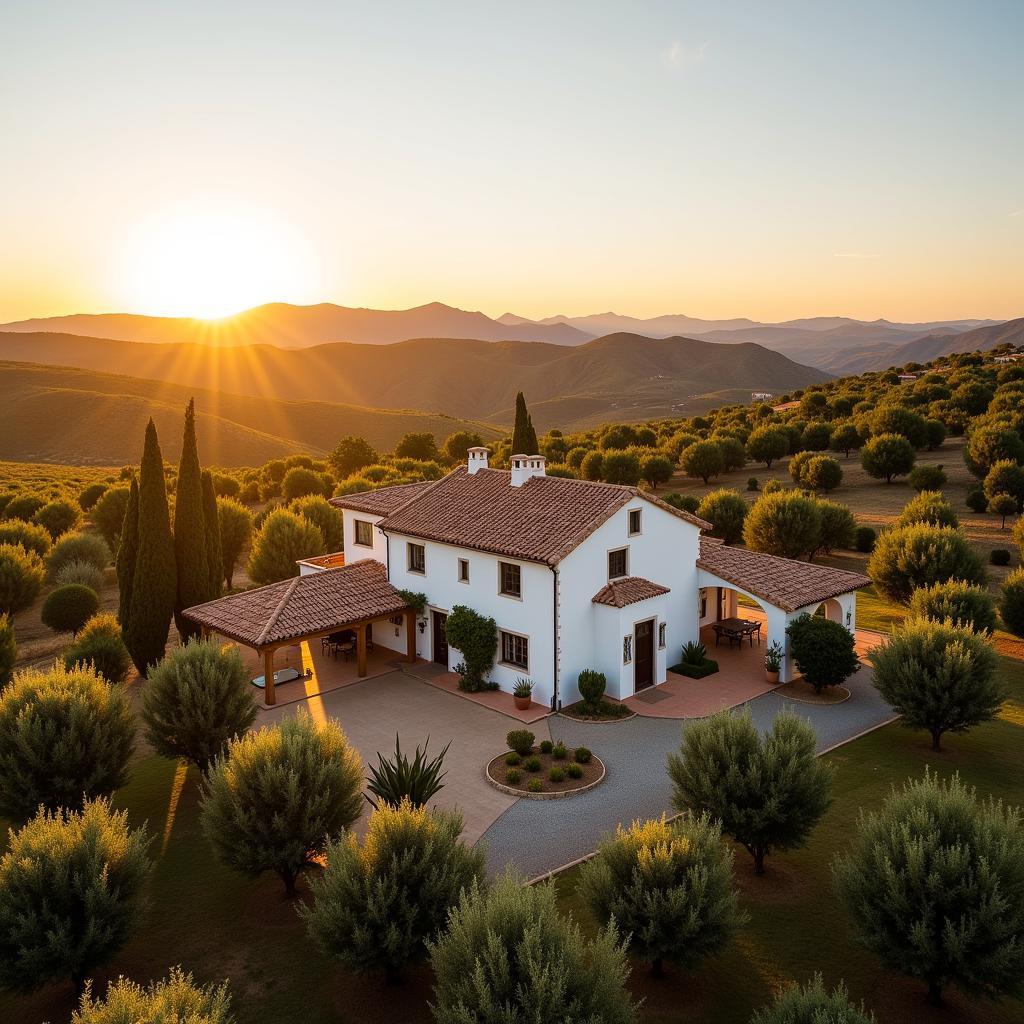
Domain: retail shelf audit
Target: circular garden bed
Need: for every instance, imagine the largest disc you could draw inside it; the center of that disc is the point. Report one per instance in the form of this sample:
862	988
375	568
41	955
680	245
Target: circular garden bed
545	771
802	691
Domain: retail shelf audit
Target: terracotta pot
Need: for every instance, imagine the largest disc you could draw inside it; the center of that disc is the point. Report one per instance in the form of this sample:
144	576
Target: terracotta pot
522	703
772	677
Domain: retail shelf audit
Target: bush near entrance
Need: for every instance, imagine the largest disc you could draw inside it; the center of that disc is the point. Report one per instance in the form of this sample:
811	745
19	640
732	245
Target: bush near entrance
823	650
475	636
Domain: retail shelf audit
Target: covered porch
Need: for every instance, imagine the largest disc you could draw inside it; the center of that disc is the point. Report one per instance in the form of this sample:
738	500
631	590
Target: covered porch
283	625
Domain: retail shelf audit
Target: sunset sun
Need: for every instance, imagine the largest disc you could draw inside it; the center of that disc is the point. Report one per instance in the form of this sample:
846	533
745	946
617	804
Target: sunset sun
210	260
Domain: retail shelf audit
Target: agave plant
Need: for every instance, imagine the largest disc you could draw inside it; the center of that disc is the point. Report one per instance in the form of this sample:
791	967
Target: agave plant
416	780
694	653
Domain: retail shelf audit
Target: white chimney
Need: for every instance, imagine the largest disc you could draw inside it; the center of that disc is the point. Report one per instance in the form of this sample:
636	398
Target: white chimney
477	459
526	466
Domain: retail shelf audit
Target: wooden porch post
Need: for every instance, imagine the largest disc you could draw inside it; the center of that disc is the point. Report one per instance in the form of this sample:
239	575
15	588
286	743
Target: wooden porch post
204	633
410	635
268	676
361	649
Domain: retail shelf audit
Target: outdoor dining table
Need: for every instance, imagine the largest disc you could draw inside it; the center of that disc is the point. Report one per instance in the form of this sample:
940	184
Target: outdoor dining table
736	629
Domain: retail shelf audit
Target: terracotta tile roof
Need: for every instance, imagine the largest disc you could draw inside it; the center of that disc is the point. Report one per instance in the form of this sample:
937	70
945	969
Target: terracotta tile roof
628	590
303	606
784	582
384	500
540	521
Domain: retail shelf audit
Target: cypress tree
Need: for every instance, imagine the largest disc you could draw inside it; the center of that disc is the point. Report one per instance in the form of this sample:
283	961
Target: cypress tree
127	553
211	524
190	545
524	437
154	581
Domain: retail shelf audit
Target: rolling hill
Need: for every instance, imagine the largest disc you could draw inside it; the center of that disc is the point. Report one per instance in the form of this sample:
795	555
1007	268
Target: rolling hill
82	417
621	376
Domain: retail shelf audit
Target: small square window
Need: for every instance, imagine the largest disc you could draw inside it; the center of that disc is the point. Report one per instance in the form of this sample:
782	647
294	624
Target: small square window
515	650
364	533
463	570
661	635
618	564
510	579
417	559
634	521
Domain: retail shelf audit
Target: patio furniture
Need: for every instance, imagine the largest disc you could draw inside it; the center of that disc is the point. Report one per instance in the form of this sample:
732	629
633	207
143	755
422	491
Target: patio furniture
735	630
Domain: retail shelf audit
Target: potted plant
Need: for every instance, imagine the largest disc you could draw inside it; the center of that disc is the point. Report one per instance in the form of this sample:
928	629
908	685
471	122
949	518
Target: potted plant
773	662
521	693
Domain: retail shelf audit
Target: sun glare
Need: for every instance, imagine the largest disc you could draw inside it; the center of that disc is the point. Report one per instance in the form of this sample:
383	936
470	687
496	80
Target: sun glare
210	259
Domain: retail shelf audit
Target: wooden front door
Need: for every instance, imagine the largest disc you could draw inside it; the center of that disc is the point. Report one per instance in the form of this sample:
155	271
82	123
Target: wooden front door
643	655
440	644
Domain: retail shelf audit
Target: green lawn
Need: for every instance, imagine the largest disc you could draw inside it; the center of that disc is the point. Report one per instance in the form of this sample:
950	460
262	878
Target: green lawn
221	925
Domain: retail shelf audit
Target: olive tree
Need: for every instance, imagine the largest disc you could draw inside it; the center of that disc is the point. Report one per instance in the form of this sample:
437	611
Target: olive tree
283	539
21	578
813	1004
930	508
235	523
702	459
934	882
938	676
886	456
964	604
768	792
1011	602
908	557
767	444
726	511
783	523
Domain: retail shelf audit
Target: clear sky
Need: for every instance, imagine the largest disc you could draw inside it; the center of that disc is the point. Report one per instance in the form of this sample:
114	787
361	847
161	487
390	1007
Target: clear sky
721	159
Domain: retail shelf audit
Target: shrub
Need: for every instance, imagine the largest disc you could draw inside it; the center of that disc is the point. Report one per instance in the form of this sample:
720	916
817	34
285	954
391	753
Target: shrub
88	497
927	478
864	539
8	650
535	785
512	759
702	459
512	776
999	556
559	752
350	455
886	456
928	507
521	741
753	484
235	523
987	445
546	746
65	736
284	538
415	781
377	904
532	763
822	473
100	645
299	482
889	420
798	465
592	465
783	523
976	500
475	636
938	676
726	511
108	515
23	506
30	536
668	886
70	888
278	796
934	881
68	608
508	954
57	517
197	700
838	528
1002	505
21	578
556	774
77	547
962	603
772	487
813	1004
82	573
324	516
582	755
822	650
768	792
909	557
573	770
174	999
591	685
1011	602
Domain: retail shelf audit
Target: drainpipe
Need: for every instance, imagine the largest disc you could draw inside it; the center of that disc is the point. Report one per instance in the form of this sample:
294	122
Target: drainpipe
556	704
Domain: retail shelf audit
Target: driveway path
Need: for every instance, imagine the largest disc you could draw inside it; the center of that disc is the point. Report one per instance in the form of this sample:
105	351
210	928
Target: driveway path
539	835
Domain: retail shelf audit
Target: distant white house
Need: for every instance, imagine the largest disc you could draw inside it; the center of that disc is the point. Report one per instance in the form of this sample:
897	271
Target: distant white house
761	396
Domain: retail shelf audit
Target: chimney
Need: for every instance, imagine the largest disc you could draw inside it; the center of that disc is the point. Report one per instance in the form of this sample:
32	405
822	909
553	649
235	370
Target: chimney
477	459
526	466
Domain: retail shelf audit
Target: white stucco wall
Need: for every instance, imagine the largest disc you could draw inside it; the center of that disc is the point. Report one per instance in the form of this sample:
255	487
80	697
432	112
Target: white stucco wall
664	552
357	552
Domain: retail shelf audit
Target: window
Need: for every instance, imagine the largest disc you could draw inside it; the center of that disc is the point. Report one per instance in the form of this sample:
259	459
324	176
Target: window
634	521
515	650
463	570
617	563
627	649
510	579
661	635
417	558
364	533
